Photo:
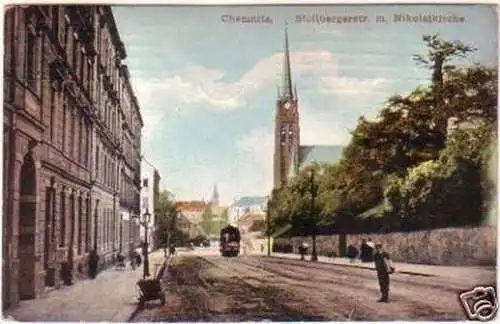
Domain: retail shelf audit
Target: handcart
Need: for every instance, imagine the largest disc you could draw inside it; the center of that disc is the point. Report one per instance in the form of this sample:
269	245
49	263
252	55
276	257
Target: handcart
150	289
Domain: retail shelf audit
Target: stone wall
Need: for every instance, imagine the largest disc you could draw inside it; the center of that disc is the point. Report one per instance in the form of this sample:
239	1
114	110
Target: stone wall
450	246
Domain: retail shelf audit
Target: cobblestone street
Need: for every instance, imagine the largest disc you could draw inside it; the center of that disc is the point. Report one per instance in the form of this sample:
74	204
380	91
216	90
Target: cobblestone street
111	297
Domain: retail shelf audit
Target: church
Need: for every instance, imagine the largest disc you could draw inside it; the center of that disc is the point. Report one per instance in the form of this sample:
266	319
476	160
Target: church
289	156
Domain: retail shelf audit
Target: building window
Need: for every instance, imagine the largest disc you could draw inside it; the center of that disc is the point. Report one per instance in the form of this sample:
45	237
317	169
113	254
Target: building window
52	115
97	162
31	58
145	202
73	132
62	219
80	140
55	19
80	225
65	109
86	146
88	227
145	183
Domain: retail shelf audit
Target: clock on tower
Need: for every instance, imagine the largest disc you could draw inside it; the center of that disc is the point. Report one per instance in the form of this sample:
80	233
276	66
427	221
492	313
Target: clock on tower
287	105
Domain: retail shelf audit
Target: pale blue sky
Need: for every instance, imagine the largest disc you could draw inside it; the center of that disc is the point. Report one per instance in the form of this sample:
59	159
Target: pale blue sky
207	89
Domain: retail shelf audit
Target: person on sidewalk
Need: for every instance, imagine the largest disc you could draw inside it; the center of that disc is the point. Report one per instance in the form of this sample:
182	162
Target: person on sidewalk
171	250
370	250
384	267
132	258
93	263
363	255
303	250
352	252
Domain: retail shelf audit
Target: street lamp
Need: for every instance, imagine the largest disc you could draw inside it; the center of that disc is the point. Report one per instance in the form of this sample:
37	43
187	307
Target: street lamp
146	217
314	255
268	227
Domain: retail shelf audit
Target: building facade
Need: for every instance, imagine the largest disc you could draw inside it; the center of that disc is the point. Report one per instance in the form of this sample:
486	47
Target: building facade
149	195
192	213
246	205
63	145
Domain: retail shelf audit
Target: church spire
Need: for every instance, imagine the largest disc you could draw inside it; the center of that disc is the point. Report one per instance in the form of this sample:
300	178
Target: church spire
215	197
286	84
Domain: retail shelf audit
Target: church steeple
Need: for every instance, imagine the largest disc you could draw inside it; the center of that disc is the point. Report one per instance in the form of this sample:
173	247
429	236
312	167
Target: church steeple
286	129
215	197
286	83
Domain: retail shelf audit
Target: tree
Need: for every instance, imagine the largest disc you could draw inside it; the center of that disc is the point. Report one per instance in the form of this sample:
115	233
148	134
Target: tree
166	217
208	225
258	225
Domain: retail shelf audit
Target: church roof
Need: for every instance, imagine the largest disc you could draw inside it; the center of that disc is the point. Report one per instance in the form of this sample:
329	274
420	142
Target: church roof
250	201
320	154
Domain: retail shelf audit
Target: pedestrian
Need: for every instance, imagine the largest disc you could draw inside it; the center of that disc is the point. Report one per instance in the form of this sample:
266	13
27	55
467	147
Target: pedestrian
171	251
302	250
363	251
138	259
93	263
370	250
384	267
132	258
352	252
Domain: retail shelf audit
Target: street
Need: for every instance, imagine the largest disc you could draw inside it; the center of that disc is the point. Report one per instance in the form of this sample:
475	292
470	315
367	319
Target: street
202	286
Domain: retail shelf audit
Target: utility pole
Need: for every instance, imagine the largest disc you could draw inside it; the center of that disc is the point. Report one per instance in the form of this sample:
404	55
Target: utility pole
268	216
314	256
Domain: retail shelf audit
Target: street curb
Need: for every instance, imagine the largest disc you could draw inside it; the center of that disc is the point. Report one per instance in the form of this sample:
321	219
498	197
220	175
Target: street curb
411	273
138	308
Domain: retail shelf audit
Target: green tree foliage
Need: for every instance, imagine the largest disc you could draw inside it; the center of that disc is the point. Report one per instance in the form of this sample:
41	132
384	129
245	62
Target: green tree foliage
166	216
166	230
208	224
407	155
258	225
450	190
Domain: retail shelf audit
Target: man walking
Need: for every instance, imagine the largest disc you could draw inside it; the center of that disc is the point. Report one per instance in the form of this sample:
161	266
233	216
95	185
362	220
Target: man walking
384	267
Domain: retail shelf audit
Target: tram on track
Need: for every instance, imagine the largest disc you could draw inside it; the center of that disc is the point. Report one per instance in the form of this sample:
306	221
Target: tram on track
229	242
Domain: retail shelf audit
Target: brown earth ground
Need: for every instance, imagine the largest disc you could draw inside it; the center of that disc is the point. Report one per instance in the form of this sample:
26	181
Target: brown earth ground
254	288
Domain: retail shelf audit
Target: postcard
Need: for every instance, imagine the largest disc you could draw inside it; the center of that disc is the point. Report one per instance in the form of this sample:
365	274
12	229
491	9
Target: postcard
223	163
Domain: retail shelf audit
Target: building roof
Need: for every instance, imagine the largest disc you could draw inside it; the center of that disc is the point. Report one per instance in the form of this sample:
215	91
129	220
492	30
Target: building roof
250	201
191	206
320	154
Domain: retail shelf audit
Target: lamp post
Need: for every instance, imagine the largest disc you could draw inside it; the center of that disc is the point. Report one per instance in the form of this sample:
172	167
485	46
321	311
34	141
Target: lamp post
314	255
146	217
268	227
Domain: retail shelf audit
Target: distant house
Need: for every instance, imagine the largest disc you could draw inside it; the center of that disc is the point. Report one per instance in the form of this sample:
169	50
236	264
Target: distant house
190	215
188	227
192	210
245	205
248	219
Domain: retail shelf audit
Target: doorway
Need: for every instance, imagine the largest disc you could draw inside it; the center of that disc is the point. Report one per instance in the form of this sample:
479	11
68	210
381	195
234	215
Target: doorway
27	228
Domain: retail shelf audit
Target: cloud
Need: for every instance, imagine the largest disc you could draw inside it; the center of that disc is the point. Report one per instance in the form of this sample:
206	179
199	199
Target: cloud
322	129
351	86
202	88
254	169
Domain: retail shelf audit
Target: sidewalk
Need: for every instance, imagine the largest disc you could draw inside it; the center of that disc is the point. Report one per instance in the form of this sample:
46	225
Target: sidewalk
110	297
456	272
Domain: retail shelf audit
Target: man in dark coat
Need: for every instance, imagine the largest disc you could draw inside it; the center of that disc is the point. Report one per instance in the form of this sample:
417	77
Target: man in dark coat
93	263
384	268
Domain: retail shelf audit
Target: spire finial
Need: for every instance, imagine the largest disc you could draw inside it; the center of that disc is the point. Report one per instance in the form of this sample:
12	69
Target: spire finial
215	196
286	86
